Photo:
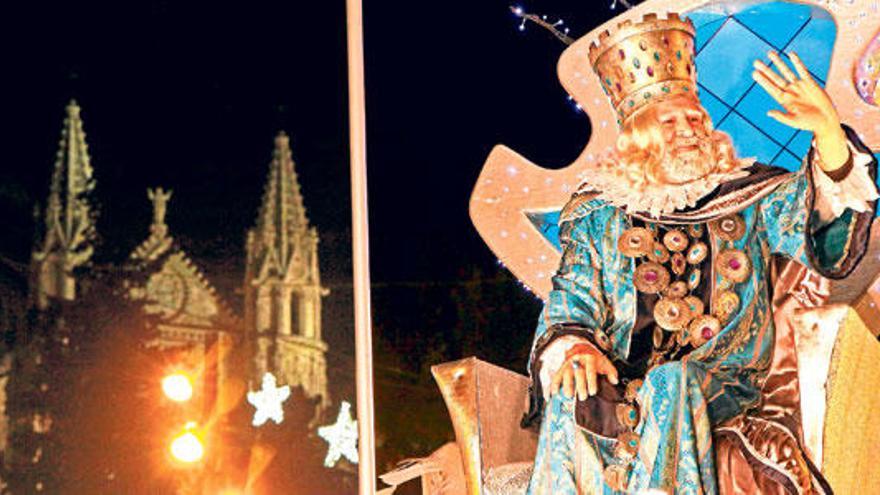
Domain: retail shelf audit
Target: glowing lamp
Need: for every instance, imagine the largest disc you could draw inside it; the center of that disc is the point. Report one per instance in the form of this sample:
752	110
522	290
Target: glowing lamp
187	447
177	387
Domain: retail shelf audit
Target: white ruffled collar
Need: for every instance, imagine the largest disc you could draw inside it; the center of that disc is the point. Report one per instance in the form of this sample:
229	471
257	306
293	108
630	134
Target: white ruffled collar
622	191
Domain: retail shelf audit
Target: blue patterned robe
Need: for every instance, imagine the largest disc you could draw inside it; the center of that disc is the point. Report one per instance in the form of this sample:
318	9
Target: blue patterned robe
680	401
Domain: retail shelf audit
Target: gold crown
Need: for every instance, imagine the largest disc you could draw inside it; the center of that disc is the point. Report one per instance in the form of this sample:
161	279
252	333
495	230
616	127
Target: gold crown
645	62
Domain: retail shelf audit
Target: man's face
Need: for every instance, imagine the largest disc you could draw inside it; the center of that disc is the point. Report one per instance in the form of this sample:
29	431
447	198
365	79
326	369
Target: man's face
688	150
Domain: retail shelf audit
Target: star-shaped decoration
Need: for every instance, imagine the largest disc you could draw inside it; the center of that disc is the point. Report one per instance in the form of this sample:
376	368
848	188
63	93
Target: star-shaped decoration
267	401
342	437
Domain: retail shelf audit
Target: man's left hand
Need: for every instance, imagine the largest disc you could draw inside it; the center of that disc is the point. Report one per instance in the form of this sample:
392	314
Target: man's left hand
807	107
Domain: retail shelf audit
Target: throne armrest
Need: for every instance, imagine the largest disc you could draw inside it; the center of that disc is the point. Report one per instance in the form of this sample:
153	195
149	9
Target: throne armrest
485	403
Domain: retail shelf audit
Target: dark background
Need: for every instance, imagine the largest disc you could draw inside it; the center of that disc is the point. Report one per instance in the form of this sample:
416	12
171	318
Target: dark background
189	95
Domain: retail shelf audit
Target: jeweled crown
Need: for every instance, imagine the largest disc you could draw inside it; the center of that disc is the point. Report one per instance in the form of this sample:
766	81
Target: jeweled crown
645	62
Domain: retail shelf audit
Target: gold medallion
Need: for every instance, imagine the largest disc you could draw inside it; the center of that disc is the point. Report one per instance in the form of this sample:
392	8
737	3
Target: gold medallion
675	240
658	253
697	253
671	314
726	303
703	329
627	445
733	265
627	414
651	277
632	390
676	290
695	305
616	476
658	337
695	230
729	228
635	242
694	278
678	263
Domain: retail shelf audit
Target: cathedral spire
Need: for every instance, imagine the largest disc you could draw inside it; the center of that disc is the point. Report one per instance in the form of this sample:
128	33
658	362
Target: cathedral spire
282	214
69	223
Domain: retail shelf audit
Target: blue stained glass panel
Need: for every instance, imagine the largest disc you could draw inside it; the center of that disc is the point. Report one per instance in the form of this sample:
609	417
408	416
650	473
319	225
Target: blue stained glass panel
748	140
547	223
724	65
787	161
705	33
716	108
775	22
754	108
814	45
800	145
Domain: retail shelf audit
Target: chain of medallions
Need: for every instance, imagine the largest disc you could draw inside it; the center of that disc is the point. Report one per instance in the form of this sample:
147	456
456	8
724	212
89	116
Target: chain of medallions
671	268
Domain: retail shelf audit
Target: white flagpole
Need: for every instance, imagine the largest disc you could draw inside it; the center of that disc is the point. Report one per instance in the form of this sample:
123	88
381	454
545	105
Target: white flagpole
360	249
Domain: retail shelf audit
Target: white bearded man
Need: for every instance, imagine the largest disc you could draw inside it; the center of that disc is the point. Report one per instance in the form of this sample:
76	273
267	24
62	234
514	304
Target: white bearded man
657	337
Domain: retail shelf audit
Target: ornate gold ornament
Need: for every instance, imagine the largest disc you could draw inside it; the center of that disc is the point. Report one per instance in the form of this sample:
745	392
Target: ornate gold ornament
635	242
678	264
671	314
675	240
627	445
676	290
697	253
694	278
702	329
695	230
695	305
616	476
632	390
627	414
730	228
658	253
734	265
644	62
726	303
651	277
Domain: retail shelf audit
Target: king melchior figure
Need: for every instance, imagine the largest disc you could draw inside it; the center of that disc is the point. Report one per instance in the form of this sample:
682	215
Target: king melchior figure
659	328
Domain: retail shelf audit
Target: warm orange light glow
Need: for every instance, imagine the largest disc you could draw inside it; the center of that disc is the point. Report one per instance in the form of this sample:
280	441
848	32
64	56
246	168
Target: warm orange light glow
187	447
177	387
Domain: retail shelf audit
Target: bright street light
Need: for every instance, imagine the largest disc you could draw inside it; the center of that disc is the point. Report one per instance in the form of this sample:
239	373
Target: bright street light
177	387
187	447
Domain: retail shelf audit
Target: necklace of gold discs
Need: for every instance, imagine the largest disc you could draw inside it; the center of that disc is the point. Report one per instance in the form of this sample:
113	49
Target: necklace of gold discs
670	268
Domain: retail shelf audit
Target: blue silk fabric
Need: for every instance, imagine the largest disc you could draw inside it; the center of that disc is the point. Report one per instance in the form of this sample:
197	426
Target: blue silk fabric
680	401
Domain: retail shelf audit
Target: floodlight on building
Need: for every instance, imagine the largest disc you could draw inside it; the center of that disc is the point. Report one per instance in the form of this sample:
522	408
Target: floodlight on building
178	387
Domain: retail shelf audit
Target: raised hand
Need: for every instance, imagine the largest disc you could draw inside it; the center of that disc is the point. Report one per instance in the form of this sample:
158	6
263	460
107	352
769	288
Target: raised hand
580	371
807	106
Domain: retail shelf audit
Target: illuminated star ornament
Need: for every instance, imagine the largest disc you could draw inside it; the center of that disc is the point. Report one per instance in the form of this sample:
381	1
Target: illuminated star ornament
267	401
342	437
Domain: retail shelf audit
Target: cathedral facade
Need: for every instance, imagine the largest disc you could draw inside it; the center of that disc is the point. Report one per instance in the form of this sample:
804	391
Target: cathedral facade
277	330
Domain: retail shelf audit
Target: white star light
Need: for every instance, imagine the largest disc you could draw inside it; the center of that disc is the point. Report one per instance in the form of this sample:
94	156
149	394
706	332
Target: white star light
267	401
342	437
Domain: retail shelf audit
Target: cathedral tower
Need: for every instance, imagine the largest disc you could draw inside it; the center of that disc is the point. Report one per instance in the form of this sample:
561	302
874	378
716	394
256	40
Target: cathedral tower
69	224
282	284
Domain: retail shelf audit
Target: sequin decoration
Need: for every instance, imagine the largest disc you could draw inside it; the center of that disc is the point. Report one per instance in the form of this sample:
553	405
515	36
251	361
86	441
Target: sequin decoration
702	329
733	265
651	277
729	228
867	73
671	314
635	242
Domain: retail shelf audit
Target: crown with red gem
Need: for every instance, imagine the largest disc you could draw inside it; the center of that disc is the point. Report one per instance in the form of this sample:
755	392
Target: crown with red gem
645	62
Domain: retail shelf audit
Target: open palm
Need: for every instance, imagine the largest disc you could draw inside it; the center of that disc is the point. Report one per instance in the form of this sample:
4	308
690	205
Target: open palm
807	106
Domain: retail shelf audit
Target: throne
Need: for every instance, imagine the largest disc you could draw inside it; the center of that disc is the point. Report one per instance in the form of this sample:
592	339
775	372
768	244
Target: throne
829	330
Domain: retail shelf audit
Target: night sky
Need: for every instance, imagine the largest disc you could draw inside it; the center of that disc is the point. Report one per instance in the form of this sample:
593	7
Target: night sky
189	96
